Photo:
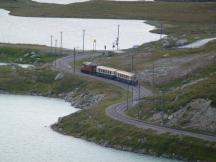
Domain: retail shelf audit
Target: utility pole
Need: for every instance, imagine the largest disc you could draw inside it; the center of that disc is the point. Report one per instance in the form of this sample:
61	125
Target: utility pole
153	81
138	91
161	30
83	40
139	105
55	46
51	44
94	45
61	43
132	72
127	96
74	61
153	74
117	40
163	100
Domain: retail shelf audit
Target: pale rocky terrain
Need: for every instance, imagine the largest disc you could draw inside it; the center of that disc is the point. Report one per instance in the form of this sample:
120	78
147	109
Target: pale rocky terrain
83	100
171	68
196	115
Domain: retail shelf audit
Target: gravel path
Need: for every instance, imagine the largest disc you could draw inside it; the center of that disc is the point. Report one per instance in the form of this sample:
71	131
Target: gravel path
117	111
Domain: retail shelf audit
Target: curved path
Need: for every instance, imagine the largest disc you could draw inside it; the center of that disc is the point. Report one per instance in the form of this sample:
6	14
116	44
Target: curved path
117	111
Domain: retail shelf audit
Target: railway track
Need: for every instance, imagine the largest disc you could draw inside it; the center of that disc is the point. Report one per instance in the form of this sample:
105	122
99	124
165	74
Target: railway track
117	111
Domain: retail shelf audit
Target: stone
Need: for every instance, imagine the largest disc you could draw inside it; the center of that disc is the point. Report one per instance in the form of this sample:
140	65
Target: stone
181	42
59	76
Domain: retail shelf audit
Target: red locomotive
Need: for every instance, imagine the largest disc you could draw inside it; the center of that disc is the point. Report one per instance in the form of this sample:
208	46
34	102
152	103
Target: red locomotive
89	67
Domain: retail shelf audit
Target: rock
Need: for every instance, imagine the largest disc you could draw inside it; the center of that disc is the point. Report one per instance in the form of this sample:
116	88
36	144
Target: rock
165	43
84	100
59	76
26	55
141	151
181	42
170	117
197	114
33	53
21	59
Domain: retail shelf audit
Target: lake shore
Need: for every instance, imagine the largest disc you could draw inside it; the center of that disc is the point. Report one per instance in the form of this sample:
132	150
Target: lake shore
57	127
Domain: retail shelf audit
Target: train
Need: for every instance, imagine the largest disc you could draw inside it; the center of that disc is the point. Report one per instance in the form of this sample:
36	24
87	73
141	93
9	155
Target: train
109	73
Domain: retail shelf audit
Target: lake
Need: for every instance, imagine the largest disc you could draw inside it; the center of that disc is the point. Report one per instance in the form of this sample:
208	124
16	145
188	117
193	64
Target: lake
74	1
36	30
26	135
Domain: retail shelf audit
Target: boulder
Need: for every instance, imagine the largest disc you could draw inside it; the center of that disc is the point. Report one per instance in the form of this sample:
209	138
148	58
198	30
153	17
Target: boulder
59	76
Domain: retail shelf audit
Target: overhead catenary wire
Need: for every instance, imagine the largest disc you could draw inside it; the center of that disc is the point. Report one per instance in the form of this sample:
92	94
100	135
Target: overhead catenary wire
86	38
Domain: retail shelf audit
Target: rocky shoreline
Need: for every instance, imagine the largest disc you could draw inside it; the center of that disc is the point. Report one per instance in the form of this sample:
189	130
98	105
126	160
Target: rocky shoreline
82	100
57	128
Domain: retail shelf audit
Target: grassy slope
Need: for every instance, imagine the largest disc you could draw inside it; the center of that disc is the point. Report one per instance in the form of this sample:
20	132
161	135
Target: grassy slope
39	81
26	55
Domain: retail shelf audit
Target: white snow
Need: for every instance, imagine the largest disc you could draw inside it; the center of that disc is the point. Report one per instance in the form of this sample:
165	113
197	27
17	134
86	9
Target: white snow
20	65
198	43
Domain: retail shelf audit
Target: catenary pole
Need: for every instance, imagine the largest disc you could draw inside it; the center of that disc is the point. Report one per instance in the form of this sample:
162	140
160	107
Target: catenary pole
118	35
61	43
83	40
56	46
132	59
51	43
74	61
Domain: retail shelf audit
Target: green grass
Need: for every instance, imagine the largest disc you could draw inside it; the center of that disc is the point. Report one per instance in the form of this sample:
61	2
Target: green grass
25	54
42	82
39	81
